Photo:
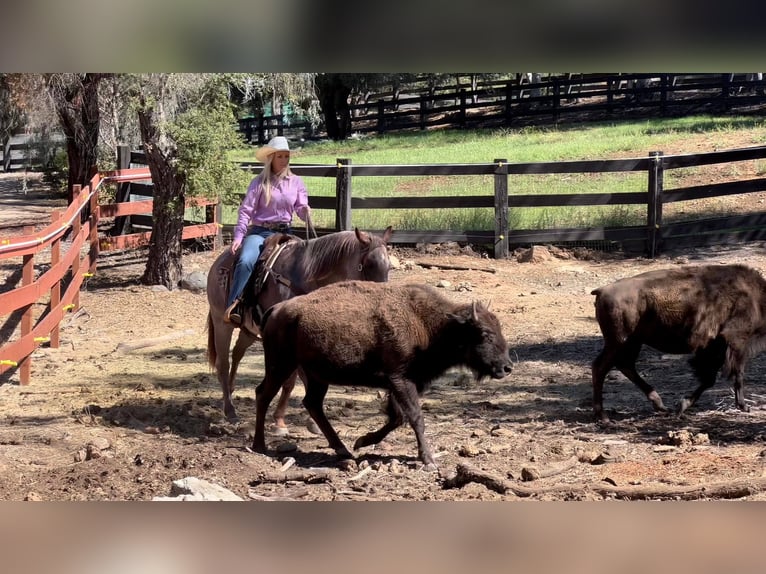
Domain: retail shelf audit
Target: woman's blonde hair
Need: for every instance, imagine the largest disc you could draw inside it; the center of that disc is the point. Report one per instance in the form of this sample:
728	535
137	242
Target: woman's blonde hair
267	176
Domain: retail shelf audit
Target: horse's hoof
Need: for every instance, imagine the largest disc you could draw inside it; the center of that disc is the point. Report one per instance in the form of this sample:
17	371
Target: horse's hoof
280	431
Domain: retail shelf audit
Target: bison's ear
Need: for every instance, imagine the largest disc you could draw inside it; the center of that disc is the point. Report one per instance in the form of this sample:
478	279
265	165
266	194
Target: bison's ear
387	234
465	314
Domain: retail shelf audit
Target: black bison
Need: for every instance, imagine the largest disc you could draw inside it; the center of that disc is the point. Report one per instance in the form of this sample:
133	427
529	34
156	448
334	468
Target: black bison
716	312
398	338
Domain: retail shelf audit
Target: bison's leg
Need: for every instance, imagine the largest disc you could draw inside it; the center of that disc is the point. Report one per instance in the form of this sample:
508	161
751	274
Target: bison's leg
406	395
313	401
602	364
264	394
395	420
623	358
735	366
626	363
706	364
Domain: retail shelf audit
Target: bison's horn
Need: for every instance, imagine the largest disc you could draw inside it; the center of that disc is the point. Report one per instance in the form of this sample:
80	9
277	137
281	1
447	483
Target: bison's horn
473	311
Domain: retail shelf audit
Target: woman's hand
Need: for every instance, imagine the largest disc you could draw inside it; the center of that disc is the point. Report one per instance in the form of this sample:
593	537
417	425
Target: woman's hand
235	245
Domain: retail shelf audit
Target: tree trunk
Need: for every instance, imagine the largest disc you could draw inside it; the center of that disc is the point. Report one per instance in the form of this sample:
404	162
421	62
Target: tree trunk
333	93
163	266
78	111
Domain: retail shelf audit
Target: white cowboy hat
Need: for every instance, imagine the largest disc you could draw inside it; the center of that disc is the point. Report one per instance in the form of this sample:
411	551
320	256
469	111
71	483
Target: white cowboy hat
278	143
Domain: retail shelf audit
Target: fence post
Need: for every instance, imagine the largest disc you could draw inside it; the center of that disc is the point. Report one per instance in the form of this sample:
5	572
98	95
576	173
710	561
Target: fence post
7	154
123	190
725	89
343	195
381	117
556	99
501	208
214	214
280	125
508	100
664	80
654	204
56	287
462	118
422	112
93	236
76	226
261	137
27	278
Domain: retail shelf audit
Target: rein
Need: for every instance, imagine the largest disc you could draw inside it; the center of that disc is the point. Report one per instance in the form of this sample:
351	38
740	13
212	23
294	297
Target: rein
269	268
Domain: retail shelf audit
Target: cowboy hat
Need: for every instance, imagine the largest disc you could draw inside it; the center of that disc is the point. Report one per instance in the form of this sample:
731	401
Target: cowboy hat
278	143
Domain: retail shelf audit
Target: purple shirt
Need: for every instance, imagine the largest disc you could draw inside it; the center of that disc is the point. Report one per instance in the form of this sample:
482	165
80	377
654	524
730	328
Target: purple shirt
288	196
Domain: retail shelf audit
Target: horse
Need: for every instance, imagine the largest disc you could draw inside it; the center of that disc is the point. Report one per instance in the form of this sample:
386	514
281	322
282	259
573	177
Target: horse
291	266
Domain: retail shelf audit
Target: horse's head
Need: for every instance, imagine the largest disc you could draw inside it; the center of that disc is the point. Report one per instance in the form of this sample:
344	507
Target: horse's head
374	263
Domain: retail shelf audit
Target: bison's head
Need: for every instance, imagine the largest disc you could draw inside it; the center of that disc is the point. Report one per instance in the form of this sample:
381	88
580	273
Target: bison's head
486	352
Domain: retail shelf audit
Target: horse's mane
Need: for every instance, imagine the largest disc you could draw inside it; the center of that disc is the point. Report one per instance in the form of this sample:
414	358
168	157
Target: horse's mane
323	253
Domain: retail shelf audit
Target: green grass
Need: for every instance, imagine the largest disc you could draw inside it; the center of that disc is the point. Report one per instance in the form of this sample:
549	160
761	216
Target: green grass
594	141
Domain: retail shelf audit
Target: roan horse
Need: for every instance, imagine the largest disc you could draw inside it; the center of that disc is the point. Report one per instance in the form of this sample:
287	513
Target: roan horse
300	267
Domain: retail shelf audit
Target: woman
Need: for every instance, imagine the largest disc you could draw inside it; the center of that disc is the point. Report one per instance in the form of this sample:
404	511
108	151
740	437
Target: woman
271	199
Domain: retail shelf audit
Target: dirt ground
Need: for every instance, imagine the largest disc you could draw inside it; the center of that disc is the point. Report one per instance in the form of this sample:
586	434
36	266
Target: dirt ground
111	416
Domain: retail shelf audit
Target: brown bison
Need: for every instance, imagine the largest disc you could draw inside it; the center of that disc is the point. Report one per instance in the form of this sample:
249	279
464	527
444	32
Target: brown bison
398	338
716	312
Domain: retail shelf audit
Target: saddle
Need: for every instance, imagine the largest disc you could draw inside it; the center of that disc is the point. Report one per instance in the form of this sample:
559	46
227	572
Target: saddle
272	248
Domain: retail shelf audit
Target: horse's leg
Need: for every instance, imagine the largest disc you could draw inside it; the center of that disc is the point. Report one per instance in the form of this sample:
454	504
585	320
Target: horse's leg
284	397
244	340
222	333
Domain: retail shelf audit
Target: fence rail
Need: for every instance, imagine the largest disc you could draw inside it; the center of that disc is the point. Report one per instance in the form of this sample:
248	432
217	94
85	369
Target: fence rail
67	271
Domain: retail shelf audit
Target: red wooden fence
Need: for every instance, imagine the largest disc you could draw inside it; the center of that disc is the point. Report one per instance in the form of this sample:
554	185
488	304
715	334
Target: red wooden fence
82	246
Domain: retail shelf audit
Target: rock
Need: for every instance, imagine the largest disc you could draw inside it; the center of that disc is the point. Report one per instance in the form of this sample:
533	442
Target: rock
443	284
159	289
195	281
285	447
33	497
100	443
468	451
535	254
394	261
192	488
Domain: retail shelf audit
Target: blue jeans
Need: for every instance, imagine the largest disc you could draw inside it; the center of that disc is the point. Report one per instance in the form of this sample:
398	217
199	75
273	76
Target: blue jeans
249	251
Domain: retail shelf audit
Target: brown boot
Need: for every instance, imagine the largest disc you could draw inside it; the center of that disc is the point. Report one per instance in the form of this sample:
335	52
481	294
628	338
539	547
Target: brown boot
233	314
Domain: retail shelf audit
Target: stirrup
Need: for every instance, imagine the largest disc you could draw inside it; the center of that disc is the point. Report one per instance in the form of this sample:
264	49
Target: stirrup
233	314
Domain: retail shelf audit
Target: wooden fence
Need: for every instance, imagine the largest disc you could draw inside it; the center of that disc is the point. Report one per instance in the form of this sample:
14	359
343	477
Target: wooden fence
650	237
66	271
548	99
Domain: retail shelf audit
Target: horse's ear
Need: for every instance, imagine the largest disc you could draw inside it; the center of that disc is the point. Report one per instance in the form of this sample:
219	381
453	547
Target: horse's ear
362	236
387	234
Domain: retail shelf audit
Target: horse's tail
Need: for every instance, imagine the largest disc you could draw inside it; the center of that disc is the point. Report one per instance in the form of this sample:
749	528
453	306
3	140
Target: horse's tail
211	355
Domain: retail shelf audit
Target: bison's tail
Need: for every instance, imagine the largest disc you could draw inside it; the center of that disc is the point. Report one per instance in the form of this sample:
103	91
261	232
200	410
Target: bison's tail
211	355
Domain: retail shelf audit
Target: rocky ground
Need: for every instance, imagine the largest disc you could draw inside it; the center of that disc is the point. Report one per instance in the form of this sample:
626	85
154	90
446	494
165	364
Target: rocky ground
128	404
